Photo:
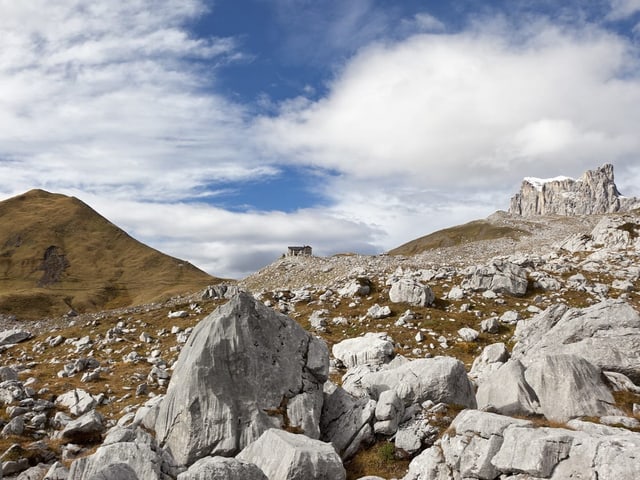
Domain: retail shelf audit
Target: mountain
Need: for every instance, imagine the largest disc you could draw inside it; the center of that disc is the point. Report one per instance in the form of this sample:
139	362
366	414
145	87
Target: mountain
57	254
595	192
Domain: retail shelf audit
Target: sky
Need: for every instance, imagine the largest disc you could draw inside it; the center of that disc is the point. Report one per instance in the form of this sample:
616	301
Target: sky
221	132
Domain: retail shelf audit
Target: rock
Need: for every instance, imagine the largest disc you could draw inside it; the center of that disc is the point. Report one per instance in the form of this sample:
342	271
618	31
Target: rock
77	401
594	193
414	435
178	314
499	276
568	386
221	468
345	420
456	293
245	369
506	391
372	348
8	373
16	335
298	457
468	334
318	321
85	429
492	357
34	473
57	471
490	325
220	291
510	317
14	427
606	334
126	454
360	287
377	312
440	379
409	290
389	413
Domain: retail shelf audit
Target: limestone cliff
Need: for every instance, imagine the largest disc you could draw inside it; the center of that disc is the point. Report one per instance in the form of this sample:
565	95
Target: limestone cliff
593	193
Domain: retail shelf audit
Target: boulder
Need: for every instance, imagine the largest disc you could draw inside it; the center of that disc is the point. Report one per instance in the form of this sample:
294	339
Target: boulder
568	386
440	379
492	357
298	457
372	348
15	335
346	420
489	446
8	373
85	429
606	334
245	369
409	290
506	391
468	334
77	401
377	312
499	276
221	468
126	454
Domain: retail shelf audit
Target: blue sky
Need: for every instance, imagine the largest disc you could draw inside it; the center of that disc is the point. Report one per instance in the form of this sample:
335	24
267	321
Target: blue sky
222	131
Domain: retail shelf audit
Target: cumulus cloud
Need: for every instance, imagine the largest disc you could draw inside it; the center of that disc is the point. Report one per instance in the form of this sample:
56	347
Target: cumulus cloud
472	110
622	9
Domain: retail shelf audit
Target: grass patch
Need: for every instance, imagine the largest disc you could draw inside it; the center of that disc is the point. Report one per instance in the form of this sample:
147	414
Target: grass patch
377	460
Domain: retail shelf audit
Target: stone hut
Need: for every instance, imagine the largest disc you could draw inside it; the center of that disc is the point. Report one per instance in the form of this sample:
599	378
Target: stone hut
304	251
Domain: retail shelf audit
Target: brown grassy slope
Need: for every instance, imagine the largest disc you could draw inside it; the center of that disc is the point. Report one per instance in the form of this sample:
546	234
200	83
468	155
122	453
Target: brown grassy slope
459	235
56	253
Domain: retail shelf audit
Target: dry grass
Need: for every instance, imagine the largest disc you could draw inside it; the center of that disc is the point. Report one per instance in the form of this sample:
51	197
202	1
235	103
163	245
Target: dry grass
106	268
469	232
377	460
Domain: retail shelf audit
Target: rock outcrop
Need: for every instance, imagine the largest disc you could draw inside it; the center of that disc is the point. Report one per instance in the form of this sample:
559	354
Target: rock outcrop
245	369
593	193
489	446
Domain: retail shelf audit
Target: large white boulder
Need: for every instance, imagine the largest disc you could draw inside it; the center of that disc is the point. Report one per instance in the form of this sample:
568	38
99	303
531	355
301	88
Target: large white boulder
507	392
568	386
346	420
489	446
370	349
440	379
286	456
222	468
245	369
606	334
409	290
499	276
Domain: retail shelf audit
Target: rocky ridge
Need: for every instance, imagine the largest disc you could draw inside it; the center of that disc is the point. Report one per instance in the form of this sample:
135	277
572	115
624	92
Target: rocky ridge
435	370
595	192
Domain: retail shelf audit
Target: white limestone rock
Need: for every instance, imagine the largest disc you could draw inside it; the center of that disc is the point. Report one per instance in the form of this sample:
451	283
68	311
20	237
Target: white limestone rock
408	290
595	192
492	357
245	369
568	386
127	455
440	379
346	421
221	468
506	391
298	457
15	335
468	334
377	312
606	334
499	276
77	401
370	349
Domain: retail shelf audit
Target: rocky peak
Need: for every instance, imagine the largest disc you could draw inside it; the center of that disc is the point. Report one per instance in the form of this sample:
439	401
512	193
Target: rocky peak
595	192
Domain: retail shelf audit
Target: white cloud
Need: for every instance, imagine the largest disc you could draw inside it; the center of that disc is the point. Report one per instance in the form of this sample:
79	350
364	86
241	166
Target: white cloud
426	22
622	9
112	93
475	109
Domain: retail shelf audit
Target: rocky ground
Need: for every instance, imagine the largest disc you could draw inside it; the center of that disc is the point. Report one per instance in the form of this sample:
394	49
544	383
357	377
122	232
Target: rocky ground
497	359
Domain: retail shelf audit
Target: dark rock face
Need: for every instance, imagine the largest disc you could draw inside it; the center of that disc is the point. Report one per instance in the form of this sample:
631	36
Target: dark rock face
245	369
593	193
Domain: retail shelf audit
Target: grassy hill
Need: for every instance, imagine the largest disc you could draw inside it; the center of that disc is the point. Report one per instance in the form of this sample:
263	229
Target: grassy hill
450	237
57	254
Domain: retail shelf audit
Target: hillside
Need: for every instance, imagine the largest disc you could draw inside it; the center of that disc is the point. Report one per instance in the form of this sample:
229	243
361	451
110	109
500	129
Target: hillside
57	254
450	237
